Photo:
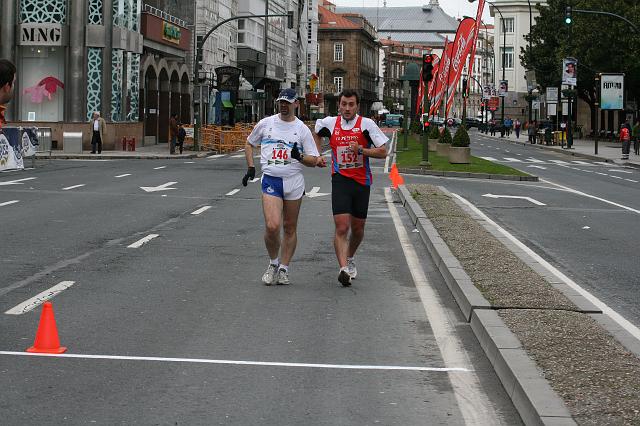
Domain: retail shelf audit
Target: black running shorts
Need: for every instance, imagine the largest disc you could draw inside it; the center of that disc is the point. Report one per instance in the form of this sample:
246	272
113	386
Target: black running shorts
348	196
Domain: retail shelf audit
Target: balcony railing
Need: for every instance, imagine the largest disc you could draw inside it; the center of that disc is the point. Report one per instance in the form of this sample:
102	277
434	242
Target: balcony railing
164	15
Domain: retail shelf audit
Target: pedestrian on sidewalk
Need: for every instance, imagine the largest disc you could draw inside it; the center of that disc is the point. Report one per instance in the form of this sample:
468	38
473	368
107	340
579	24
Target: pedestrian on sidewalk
625	138
492	127
635	135
173	133
7	80
516	127
286	144
98	132
182	134
353	139
532	129
508	124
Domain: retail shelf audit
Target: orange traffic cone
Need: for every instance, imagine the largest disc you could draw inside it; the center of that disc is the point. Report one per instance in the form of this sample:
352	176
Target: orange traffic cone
47	341
393	173
399	180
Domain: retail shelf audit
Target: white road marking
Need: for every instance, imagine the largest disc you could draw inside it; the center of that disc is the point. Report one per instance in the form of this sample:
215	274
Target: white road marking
513	160
558	161
189	162
604	163
233	362
616	177
538	167
158	168
580	162
200	210
620	171
586	227
143	241
632	329
16	182
533	160
473	402
631	180
8	203
489	159
73	187
238	156
163	187
124	175
213	157
314	192
38	299
602	174
232	192
515	197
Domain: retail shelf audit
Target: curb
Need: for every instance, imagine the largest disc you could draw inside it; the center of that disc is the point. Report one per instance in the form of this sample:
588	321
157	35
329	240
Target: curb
536	402
421	171
113	157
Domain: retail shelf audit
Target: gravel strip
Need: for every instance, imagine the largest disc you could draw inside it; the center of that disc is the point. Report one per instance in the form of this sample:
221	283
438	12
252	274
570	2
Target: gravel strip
598	379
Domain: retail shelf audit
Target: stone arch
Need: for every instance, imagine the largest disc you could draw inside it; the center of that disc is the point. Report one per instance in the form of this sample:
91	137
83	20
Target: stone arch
149	102
164	104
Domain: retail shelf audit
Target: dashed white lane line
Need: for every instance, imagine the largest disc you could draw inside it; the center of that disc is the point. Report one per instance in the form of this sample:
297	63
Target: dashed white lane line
238	156
620	171
584	163
16	181
213	157
631	180
601	174
513	160
72	187
235	191
124	175
533	160
143	241
158	168
201	210
8	203
38	299
189	162
234	362
616	177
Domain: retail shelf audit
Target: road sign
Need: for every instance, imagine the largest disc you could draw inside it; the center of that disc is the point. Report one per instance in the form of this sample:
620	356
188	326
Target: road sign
494	102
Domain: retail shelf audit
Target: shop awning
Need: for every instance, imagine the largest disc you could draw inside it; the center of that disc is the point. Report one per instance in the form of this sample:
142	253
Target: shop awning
227	104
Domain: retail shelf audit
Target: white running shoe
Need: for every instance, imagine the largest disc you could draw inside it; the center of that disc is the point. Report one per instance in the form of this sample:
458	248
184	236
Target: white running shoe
270	275
283	277
351	269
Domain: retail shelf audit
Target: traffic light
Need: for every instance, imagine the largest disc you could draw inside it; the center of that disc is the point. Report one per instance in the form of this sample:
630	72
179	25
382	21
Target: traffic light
567	16
199	44
290	19
427	67
464	88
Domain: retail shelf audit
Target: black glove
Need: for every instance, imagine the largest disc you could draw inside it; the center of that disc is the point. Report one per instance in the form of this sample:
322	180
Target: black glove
251	174
295	152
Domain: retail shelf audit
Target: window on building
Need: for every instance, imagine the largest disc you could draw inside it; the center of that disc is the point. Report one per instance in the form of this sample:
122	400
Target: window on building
240	37
509	25
338	52
507	57
339	83
241	24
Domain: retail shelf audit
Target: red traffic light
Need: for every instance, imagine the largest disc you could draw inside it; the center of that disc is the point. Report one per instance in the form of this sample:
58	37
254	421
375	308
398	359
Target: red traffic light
426	124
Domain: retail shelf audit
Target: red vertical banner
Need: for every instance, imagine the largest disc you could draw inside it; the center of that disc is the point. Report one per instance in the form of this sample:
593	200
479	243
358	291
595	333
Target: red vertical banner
475	35
461	48
443	72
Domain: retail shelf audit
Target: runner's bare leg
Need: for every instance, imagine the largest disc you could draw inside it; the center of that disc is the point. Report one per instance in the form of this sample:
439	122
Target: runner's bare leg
341	239
272	209
290	240
357	235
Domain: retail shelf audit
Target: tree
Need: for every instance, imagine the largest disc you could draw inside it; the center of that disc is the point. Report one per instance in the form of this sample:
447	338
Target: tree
600	43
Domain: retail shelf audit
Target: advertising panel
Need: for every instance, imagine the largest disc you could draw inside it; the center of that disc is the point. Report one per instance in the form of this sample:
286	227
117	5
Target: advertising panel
612	91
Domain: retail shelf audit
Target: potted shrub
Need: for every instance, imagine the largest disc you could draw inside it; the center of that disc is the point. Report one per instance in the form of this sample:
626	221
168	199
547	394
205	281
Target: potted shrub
434	135
459	152
444	143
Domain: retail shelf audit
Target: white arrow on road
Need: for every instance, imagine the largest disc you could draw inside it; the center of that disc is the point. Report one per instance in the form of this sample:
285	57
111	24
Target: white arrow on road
314	192
162	187
16	182
515	196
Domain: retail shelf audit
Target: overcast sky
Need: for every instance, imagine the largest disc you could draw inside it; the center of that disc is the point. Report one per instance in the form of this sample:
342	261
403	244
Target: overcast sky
455	8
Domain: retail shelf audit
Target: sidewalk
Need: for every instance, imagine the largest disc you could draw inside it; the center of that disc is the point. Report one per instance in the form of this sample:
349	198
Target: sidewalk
155	152
609	151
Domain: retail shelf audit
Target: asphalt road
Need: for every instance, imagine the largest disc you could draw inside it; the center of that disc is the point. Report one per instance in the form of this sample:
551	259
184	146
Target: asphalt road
588	226
180	330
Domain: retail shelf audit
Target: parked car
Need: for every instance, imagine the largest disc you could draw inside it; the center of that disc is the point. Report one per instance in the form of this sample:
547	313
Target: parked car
473	122
392	120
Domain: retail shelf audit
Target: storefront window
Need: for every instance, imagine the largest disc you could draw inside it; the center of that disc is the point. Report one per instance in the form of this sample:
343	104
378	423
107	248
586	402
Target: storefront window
41	79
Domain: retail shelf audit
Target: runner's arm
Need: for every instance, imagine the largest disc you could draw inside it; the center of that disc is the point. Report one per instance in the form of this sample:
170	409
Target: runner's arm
248	154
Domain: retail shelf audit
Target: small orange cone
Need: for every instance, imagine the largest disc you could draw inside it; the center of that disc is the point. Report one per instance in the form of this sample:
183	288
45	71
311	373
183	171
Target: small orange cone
393	173
47	341
399	180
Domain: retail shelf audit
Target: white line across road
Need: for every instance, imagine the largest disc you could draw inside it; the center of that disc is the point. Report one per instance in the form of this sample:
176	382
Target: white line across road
38	299
8	203
143	241
623	322
200	210
531	200
234	362
73	187
124	175
233	192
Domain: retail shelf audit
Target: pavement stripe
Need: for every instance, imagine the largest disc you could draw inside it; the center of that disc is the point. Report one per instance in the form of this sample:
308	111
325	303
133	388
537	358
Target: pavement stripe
584	163
200	210
624	323
235	191
189	162
38	299
16	182
72	187
7	203
143	241
238	156
213	157
631	180
158	168
513	160
472	400
558	161
620	171
234	362
489	158
616	177
533	160
124	175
